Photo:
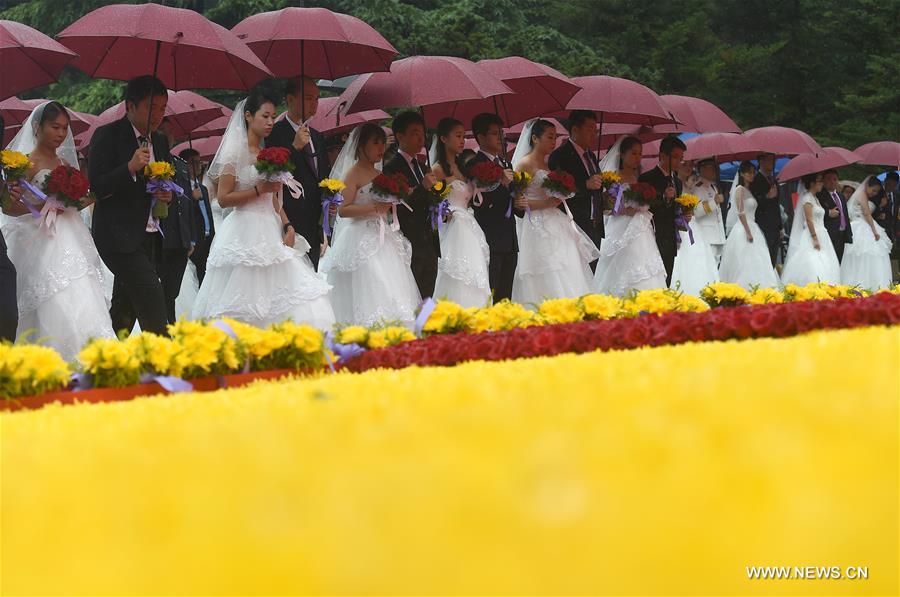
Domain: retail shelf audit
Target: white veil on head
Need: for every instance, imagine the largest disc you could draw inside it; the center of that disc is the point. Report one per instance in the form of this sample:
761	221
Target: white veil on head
347	157
26	139
799	223
523	146
610	161
233	156
732	218
433	150
859	195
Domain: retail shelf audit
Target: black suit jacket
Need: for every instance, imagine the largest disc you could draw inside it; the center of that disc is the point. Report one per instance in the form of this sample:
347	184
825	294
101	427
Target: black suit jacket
304	213
833	225
179	230
768	213
664	211
123	204
566	157
199	230
499	230
415	224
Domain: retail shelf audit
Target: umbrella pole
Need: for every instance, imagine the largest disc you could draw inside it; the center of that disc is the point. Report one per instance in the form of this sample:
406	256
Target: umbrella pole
502	134
427	145
150	104
600	134
302	86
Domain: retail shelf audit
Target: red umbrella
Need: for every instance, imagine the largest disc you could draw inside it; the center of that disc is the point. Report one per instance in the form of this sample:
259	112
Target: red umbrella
329	121
782	140
213	127
810	163
185	109
724	147
619	100
696	116
15	112
29	58
516	130
180	47
206	147
435	84
538	90
315	42
880	153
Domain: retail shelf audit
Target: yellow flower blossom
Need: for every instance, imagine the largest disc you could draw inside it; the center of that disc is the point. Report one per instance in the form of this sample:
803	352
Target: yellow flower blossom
159	170
353	334
762	296
562	310
601	306
379	483
332	185
609	177
26	370
724	294
15	163
688	202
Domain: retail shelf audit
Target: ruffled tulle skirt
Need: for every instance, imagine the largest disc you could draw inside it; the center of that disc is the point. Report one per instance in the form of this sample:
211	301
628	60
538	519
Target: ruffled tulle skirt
59	283
867	262
629	258
806	264
252	276
554	258
368	264
747	264
463	266
695	265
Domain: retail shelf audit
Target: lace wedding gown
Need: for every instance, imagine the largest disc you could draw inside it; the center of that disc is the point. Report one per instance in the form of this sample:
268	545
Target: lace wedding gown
253	277
695	265
744	263
368	264
629	257
59	280
866	262
463	266
806	264
554	253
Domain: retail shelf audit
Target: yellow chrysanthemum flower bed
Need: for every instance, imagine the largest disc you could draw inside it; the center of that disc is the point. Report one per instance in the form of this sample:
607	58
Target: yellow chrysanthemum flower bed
601	473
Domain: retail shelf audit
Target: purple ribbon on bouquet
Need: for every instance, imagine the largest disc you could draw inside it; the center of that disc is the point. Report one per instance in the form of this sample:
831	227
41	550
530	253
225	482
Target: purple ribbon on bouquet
35	212
438	214
682	224
619	191
336	200
343	352
425	312
154	185
170	383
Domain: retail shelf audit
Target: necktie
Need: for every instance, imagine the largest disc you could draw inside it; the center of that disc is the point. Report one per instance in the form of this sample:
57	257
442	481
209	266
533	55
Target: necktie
589	160
417	169
596	211
840	208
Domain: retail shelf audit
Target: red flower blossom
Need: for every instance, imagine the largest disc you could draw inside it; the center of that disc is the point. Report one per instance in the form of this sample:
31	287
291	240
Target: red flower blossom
486	174
560	182
68	184
391	185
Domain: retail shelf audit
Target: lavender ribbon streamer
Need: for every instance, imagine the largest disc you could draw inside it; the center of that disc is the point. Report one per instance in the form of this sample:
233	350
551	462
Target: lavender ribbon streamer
169	383
337	199
428	306
164	185
682	223
230	331
438	214
619	192
35	212
343	352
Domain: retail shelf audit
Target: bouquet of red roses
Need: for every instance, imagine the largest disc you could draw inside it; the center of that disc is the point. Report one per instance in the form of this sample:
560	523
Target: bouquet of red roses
274	165
559	184
68	185
486	176
393	188
641	193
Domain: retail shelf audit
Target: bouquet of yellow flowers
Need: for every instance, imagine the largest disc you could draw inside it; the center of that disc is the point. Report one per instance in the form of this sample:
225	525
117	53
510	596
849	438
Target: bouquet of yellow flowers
439	207
688	202
331	196
685	204
15	166
520	182
159	178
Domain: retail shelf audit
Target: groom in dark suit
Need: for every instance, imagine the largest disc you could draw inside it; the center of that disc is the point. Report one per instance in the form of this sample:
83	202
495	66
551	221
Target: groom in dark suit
837	220
309	156
576	157
125	232
9	312
668	186
495	214
768	210
409	130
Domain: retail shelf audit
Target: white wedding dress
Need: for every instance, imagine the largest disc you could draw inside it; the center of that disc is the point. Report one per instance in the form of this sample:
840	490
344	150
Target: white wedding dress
463	266
695	264
368	264
554	253
805	264
629	258
59	280
744	263
253	277
866	262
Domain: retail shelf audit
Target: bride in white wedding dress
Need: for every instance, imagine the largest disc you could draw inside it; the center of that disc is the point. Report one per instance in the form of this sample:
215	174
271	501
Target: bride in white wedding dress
257	271
59	279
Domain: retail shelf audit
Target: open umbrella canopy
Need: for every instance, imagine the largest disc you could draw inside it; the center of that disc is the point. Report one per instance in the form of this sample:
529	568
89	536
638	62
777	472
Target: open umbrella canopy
29	58
315	42
618	100
696	115
180	47
14	111
213	127
329	121
782	140
206	147
724	147
880	153
810	163
436	84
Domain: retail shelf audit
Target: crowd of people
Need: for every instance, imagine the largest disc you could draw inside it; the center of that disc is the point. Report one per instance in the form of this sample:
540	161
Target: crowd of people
237	245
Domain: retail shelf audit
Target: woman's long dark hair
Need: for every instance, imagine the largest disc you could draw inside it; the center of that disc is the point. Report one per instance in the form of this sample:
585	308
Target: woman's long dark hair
445	126
625	146
367	132
746	166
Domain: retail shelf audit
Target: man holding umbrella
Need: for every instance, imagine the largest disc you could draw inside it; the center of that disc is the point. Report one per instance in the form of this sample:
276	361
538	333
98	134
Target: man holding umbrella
309	156
126	233
768	213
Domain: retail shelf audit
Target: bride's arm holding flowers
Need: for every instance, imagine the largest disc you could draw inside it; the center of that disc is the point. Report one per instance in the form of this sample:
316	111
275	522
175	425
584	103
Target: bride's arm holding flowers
228	197
349	209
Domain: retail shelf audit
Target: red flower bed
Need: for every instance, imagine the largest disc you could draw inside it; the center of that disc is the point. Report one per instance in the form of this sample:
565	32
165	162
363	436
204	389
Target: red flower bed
762	321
